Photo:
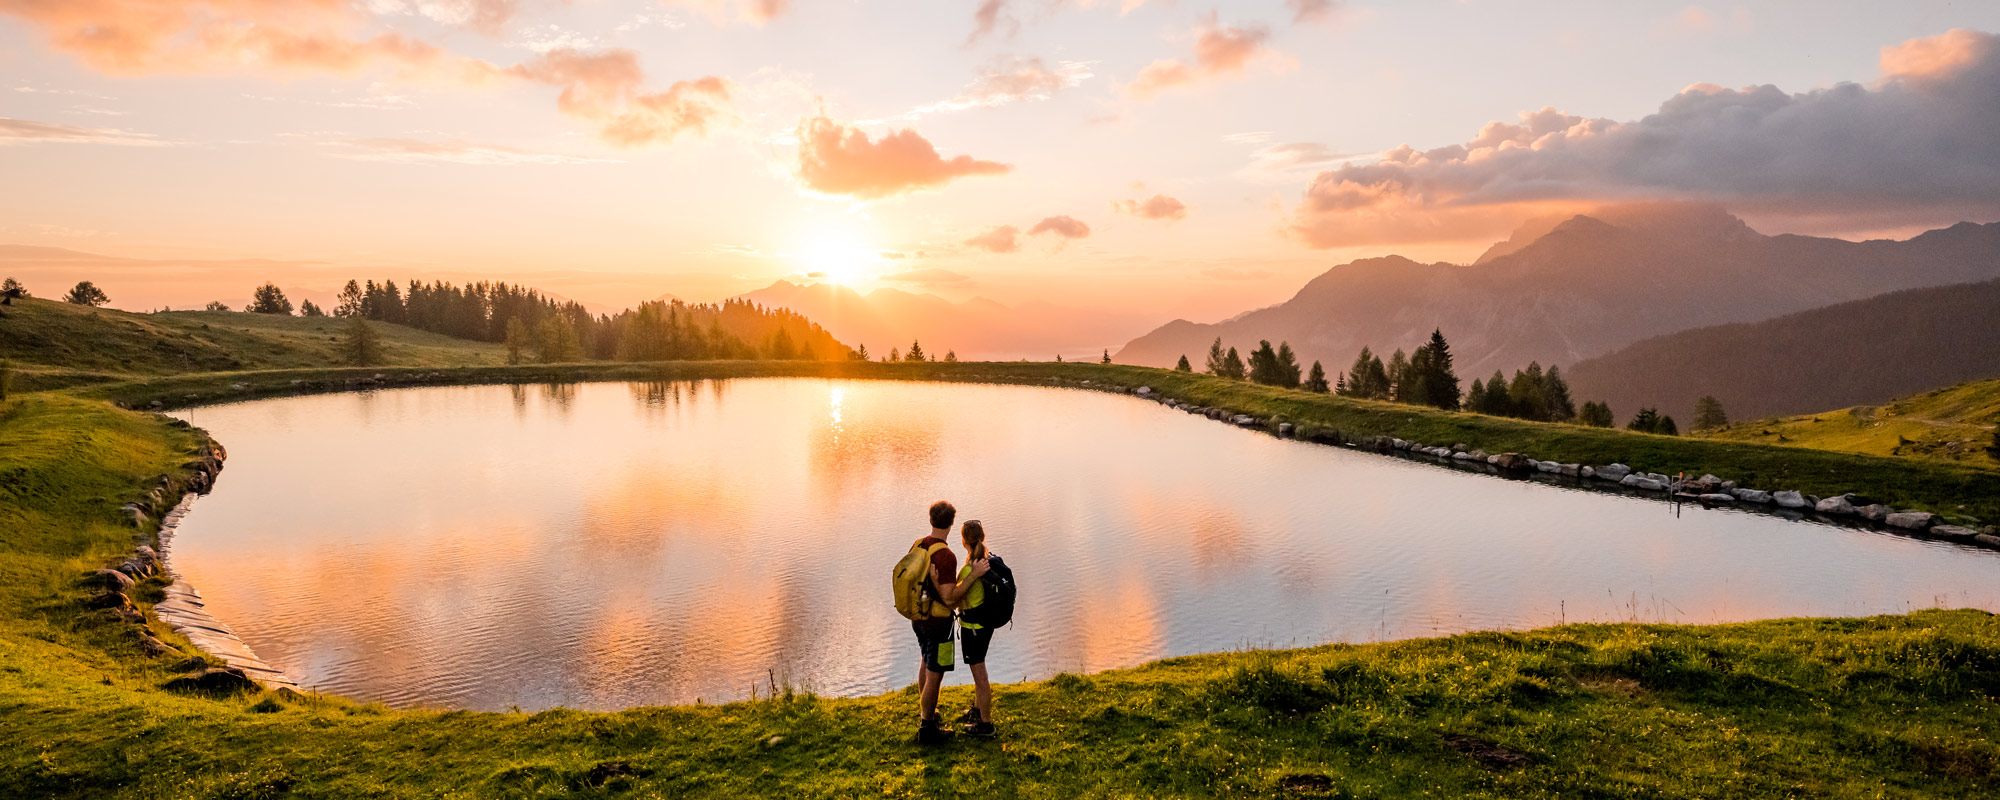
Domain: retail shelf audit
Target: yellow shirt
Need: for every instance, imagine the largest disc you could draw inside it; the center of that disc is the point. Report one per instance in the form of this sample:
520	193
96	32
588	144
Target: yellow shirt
973	596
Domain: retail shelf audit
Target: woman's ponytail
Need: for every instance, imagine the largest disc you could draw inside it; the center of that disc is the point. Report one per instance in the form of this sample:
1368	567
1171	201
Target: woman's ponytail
974	536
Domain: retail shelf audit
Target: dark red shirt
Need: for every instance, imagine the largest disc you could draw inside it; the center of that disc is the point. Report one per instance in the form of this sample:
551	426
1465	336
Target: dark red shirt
944	562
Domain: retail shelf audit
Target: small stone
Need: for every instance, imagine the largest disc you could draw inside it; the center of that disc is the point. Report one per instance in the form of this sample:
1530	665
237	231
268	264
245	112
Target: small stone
1955	532
1613	472
1790	499
214	679
1837	506
1548	466
1588	472
1911	520
113	580
1571	470
774	741
153	646
1284	428
110	599
1717	498
1988	539
1751	496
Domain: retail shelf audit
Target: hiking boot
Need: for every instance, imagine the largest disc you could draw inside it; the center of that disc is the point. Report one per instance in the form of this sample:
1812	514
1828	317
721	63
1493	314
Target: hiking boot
981	730
933	732
970	716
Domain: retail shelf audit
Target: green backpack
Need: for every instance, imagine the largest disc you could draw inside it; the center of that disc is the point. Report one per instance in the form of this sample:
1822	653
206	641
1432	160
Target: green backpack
910	580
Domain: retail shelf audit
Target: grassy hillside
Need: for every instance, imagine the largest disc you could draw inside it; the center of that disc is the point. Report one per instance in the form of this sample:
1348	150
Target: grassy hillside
1952	425
61	344
1899	706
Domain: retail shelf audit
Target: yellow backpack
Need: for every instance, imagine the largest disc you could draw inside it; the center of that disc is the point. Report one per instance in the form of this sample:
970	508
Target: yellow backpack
911	582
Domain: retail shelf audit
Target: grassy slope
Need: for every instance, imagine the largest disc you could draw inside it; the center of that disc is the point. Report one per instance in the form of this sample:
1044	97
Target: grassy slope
58	344
1952	425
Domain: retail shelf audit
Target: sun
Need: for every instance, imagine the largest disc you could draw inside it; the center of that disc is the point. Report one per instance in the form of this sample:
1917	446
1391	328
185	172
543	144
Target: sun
837	257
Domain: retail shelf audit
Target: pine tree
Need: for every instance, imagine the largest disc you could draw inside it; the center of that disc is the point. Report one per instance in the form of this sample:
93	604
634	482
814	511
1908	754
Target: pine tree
1355	383
14	286
1399	378
1184	366
363	346
1059	358
517	339
1650	420
1708	414
86	293
951	356
269	299
1497	402
1528	394
1555	397
1596	415
897	355
1232	366
557	342
308	309
350	300
1440	380
1340	385
1264	364
916	352
215	305
1215	359
861	353
781	348
1475	398
1316	380
1288	366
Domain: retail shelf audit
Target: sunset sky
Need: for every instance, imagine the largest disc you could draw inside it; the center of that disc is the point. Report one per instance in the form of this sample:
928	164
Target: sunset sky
1194	159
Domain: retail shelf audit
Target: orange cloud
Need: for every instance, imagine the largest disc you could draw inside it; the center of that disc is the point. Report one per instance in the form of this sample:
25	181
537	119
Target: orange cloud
603	87
1022	80
1943	56
1158	206
21	131
756	12
1219	51
1063	226
991	17
841	159
1000	239
1310	10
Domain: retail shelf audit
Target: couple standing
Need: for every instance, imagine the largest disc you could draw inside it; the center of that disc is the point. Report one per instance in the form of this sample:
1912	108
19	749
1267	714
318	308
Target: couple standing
950	587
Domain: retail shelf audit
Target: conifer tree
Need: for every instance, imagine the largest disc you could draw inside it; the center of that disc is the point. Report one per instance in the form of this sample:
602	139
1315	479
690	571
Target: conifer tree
781	348
86	293
11	285
215	305
308	309
1059	358
1475	398
1596	415
1184	366
897	355
1340	385
1232	366
1355	382
1555	396
951	356
1708	414
1264	364
1440	380
557	341
1496	400
1288	366
1316	380
916	352
363	346
1650	420
1399	378
861	353
1215	359
269	299
349	304
517	339
1528	394
1107	357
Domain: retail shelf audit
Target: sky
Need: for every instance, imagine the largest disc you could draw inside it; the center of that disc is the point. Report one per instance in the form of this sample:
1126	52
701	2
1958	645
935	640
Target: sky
1186	159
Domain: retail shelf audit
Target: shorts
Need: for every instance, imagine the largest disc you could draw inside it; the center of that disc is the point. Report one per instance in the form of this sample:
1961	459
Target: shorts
934	640
975	641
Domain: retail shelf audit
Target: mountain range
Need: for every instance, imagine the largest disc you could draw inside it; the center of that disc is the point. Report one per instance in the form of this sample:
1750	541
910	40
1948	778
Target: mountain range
1564	290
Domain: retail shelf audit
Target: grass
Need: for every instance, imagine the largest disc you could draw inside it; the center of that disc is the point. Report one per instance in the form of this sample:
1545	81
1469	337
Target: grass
1952	425
1894	706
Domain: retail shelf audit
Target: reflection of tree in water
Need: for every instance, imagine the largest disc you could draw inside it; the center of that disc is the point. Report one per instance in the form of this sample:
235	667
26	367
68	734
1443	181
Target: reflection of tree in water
519	394
559	395
657	395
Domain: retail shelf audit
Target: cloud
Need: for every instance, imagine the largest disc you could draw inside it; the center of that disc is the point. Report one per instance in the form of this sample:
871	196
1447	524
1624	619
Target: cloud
603	87
990	18
1311	10
1158	206
485	16
1219	51
21	131
1281	159
1915	146
842	160
1023	80
454	152
928	277
998	239
1064	226
755	12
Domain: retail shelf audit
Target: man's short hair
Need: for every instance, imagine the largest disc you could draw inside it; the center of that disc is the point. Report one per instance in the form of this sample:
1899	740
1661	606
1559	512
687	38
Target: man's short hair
942	513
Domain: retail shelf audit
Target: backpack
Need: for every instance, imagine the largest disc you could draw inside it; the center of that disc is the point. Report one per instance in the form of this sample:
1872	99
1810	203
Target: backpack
997	608
910	580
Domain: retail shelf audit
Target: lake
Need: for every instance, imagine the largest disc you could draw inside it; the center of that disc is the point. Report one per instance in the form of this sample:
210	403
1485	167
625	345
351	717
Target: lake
606	545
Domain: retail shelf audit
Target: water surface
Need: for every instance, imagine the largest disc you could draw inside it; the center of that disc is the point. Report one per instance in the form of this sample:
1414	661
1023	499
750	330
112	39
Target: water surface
609	545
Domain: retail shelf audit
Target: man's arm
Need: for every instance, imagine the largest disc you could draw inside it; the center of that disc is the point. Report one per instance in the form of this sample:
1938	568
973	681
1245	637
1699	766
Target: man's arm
952	592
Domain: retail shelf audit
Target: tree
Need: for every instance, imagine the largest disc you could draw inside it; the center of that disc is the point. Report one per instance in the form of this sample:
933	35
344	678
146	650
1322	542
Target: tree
215	305
1439	380
269	299
1398	375
916	352
557	342
363	346
1215	364
1650	420
1596	415
307	309
1497	402
1316	380
1264	365
1475	398
517	339
1059	358
1367	379
1288	366
781	348
1107	357
1555	396
1232	366
897	355
350	301
1184	366
1528	395
951	356
861	353
86	294
11	285
1708	414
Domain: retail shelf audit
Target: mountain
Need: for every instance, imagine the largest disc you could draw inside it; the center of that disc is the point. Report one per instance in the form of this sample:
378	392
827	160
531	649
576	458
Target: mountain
1954	424
1565	291
1855	353
976	329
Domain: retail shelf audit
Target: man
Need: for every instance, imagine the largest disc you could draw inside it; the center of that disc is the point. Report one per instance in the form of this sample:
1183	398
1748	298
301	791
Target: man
934	632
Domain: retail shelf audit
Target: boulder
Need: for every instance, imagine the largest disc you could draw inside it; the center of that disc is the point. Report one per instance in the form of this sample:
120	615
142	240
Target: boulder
1728	486
1988	540
1954	532
1548	466
1836	506
1789	499
1709	483
1571	470
1242	419
1751	496
1284	429
1613	472
1650	485
1911	520
1717	498
110	599
113	580
155	647
1512	461
134	515
1462	457
1587	472
1145	390
1874	513
1479	455
1460	446
214	679
146	554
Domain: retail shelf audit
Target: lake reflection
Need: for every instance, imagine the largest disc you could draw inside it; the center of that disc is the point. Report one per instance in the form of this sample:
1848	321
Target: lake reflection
609	545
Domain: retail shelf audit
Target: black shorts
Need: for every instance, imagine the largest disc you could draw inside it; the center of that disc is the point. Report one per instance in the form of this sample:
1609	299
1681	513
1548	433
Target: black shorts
974	641
934	640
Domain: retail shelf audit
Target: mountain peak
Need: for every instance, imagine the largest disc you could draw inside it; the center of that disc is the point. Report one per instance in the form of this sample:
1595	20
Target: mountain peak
1703	221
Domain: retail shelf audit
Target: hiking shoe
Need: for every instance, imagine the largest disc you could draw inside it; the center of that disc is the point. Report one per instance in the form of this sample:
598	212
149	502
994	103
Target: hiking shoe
970	716
933	732
981	730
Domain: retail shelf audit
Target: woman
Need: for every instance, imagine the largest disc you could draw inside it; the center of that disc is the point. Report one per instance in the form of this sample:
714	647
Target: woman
974	638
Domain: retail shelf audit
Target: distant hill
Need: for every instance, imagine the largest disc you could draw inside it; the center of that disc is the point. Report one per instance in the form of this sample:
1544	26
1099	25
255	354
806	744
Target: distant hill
59	336
1583	287
1954	424
1856	353
977	329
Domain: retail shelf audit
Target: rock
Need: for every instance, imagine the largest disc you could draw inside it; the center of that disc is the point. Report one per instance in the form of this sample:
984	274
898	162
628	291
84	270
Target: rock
1717	498
1243	420
110	599
237	387
1547	466
1651	485
1751	496
134	515
1460	446
113	580
1587	472
1709	484
1954	532
155	647
1728	486
129	616
1145	390
1461	457
1514	462
146	554
1911	520
1789	499
1399	444
214	679
1284	428
1613	472
1988	539
1875	513
1493	459
1571	470
1836	506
